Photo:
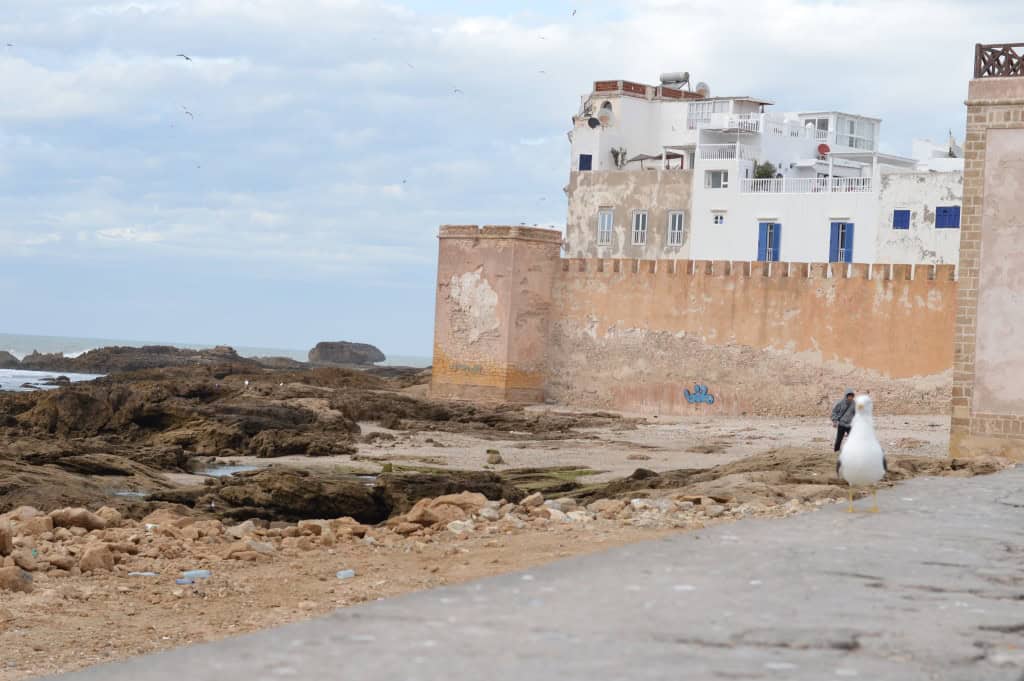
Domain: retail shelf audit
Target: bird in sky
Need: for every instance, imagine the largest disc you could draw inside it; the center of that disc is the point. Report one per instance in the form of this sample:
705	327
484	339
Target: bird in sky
457	91
10	44
187	112
409	65
540	37
184	56
862	462
573	13
543	72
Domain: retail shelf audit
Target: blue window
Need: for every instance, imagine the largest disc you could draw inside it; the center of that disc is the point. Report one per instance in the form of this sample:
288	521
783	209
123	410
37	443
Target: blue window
901	219
840	244
947	217
585	161
769	241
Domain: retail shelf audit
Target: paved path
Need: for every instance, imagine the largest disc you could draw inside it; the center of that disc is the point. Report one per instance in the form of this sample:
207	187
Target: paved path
931	588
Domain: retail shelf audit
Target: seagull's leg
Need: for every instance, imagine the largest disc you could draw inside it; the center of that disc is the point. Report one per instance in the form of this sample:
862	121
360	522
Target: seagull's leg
849	491
874	496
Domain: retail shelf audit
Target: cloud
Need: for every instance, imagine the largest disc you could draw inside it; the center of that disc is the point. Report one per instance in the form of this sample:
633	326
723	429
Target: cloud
327	140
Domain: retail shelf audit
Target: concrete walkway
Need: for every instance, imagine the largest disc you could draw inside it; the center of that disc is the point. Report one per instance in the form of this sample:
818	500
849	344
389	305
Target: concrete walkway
930	588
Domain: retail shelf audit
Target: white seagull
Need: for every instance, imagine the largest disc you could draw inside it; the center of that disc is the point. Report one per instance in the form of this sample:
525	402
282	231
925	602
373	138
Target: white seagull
862	462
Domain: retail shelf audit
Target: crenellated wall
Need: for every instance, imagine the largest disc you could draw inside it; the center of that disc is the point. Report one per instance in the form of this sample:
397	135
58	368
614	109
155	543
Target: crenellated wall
784	338
514	321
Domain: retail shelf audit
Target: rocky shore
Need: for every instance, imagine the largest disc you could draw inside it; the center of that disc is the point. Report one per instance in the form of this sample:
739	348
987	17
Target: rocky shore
117	359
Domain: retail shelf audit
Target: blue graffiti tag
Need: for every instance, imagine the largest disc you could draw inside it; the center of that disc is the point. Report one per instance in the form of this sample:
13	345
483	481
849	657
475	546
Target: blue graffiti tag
699	394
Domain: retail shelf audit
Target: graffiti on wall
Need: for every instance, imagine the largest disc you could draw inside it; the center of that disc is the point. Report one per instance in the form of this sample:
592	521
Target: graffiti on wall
700	395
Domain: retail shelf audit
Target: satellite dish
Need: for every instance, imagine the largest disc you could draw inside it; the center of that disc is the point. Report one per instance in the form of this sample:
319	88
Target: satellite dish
593	122
703	89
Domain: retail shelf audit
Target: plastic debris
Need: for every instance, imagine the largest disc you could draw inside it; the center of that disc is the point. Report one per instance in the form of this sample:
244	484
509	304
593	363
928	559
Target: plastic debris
196	574
184	582
345	574
143	574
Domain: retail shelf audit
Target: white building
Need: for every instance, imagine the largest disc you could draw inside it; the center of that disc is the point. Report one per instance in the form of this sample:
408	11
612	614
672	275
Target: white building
663	172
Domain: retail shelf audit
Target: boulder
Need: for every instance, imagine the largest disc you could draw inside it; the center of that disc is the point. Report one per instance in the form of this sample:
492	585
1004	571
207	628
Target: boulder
292	495
77	517
399	492
15	579
428	512
344	352
97	558
534	500
6	538
8	361
35	526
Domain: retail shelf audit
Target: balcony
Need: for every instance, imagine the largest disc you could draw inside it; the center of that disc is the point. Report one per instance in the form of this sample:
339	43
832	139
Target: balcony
807	185
725	152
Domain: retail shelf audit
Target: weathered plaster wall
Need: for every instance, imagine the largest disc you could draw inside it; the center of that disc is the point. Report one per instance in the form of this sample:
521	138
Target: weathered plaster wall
988	398
919	193
634	335
494	287
656	191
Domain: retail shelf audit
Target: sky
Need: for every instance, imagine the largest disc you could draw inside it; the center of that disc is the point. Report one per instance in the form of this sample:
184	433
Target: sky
285	185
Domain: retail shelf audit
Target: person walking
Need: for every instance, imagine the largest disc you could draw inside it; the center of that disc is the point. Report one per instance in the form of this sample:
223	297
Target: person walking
842	417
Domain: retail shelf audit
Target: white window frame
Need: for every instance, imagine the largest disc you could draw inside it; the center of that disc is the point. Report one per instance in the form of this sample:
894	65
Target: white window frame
639	227
718	217
676	227
605	226
723	179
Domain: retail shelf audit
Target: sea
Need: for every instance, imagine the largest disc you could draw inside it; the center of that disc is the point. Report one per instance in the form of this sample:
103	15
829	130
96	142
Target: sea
20	345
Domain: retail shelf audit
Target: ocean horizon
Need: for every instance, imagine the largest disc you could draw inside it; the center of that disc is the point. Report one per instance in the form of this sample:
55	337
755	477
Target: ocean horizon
21	345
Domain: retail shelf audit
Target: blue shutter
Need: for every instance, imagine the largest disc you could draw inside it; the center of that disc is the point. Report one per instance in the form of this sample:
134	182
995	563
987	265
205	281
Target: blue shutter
833	244
585	161
947	217
849	242
762	241
901	219
777	242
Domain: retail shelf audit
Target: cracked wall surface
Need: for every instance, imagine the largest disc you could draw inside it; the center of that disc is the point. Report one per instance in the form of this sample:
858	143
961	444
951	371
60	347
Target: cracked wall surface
919	193
659	192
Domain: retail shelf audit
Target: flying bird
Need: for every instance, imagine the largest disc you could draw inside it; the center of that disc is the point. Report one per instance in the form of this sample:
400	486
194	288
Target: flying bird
409	65
457	91
543	71
573	13
862	462
540	37
187	112
184	56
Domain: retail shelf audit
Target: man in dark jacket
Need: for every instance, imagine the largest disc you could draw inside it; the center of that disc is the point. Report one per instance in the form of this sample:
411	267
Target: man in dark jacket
842	417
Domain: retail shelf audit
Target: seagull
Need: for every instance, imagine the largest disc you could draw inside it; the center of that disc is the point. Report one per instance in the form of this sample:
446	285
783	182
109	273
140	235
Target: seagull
862	462
542	71
573	13
409	65
457	91
184	56
187	112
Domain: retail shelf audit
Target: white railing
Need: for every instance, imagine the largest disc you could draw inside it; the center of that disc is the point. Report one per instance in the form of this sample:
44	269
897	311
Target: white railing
805	185
720	152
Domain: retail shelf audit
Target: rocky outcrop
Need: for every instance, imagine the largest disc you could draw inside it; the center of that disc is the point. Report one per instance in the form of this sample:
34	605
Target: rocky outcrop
123	358
345	353
8	361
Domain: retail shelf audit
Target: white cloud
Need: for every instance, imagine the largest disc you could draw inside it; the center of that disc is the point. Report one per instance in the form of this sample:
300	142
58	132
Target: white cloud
327	131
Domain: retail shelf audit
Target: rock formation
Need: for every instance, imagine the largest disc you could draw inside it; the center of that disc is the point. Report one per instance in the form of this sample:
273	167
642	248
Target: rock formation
345	353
